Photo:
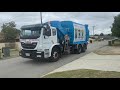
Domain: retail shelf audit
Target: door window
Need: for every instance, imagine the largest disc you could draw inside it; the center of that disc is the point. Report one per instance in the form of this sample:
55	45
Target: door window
46	32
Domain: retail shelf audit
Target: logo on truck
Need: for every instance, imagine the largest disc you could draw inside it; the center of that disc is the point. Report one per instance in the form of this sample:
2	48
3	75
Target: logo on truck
79	32
28	41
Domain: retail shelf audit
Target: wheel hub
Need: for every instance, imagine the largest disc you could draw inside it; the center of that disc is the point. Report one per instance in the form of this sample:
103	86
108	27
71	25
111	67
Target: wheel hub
55	55
79	49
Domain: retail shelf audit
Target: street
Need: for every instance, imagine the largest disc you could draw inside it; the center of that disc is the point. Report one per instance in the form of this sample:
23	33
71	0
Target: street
27	68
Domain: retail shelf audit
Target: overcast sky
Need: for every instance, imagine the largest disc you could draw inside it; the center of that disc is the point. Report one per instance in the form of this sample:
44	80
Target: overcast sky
101	20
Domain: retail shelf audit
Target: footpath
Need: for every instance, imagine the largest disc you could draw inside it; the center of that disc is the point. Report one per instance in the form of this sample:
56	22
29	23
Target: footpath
93	61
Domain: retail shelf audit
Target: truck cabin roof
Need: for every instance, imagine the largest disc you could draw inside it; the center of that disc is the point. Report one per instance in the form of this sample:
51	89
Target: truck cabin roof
33	26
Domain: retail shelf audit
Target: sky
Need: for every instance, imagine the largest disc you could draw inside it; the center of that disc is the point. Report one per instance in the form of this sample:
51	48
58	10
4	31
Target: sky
101	20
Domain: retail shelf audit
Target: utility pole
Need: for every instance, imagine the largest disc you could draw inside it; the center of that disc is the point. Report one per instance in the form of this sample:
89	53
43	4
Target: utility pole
41	17
93	30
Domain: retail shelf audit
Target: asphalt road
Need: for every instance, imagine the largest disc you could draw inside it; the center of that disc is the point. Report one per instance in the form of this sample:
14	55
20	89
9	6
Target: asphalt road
27	68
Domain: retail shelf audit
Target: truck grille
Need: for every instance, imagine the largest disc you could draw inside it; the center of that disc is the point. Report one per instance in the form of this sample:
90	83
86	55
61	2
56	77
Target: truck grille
28	46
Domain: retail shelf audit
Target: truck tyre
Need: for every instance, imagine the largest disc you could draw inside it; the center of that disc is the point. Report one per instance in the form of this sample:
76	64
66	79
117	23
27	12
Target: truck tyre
79	49
55	55
84	48
72	51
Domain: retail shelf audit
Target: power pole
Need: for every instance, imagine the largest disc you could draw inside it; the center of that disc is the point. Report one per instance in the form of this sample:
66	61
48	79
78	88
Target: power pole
41	17
93	30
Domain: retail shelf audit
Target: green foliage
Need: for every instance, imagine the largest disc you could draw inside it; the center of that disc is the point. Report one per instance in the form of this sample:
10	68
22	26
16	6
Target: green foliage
96	35
116	26
9	30
108	34
101	34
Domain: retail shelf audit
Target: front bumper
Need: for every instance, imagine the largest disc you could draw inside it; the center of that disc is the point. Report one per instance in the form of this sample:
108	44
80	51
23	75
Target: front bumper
32	54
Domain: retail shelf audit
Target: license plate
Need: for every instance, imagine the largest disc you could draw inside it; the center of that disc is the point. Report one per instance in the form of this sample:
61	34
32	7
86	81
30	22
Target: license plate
38	55
27	54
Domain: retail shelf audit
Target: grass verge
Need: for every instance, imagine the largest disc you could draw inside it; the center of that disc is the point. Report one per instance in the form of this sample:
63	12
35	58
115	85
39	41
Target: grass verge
84	73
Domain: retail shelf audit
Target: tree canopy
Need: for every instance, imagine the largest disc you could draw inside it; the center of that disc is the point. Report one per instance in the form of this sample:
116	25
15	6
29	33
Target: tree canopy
101	34
9	30
116	26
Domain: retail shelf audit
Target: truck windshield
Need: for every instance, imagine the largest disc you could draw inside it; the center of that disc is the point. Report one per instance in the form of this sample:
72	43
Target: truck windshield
32	33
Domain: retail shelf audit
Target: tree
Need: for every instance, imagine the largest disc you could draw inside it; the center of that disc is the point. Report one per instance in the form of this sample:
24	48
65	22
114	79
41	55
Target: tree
9	30
116	26
101	34
96	35
108	34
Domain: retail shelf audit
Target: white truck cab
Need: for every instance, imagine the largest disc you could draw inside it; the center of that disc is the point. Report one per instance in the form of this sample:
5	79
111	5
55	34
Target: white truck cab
38	42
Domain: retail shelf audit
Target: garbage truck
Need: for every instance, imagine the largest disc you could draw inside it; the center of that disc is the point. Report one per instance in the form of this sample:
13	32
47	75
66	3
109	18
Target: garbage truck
52	39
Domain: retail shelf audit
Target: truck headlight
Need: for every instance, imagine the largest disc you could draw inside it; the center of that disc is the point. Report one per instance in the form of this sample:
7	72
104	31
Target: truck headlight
39	49
46	50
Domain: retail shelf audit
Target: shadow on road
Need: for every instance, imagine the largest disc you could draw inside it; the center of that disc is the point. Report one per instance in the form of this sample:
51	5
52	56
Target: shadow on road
34	61
63	60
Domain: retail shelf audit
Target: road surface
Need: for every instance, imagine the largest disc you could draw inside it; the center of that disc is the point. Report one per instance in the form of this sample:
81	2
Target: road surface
27	68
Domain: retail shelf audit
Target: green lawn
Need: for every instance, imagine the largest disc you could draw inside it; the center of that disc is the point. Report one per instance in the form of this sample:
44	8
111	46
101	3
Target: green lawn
84	73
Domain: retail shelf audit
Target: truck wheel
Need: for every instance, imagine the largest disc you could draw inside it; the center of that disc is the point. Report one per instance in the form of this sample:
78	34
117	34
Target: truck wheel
79	49
72	51
84	48
55	55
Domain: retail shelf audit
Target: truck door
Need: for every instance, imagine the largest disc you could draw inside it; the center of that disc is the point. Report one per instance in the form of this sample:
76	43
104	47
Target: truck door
49	37
46	36
54	35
